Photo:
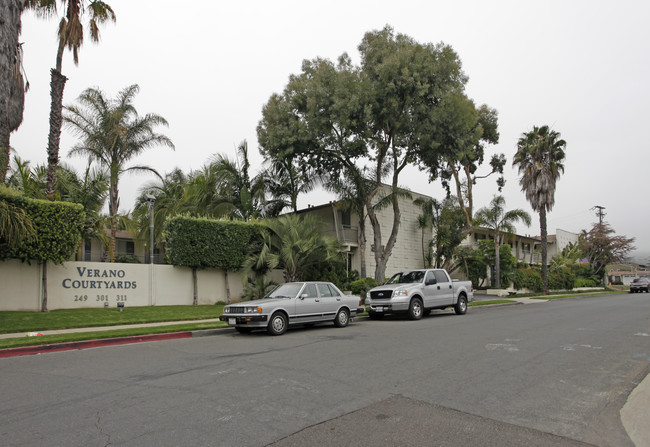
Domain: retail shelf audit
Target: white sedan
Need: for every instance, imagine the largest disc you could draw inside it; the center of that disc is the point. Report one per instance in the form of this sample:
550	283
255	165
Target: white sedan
293	303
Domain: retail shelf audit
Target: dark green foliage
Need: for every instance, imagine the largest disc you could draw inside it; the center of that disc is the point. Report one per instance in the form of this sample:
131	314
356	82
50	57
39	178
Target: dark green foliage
58	228
528	278
562	279
584	282
127	259
202	243
473	263
258	287
476	261
361	286
333	271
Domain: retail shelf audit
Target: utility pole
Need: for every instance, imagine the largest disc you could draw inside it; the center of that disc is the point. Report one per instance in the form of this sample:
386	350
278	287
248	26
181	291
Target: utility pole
600	213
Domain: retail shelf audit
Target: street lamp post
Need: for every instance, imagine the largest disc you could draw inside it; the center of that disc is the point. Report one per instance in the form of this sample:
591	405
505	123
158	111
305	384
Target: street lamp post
152	200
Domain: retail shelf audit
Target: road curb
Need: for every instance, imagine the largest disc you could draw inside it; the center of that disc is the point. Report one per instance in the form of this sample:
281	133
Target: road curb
86	344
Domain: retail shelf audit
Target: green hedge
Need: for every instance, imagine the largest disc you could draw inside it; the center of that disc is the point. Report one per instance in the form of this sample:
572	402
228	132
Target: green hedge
58	230
204	243
361	286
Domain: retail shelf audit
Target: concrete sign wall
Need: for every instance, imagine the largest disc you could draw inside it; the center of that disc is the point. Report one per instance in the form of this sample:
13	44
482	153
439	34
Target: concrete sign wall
93	284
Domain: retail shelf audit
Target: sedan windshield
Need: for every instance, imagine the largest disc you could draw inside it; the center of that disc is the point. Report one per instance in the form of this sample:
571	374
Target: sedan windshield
289	290
406	278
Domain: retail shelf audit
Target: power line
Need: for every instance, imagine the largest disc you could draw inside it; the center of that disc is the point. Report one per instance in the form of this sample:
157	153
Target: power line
600	213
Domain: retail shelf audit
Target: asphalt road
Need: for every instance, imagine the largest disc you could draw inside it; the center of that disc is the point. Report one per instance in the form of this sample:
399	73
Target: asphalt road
548	374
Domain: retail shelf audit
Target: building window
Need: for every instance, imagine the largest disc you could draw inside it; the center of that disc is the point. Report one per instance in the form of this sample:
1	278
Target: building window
345	218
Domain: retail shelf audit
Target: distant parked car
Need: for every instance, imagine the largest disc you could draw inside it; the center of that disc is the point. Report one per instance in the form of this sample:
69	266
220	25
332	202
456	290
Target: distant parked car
293	303
640	285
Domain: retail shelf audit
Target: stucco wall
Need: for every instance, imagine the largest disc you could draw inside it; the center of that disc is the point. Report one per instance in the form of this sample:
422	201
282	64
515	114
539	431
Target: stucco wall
407	251
91	284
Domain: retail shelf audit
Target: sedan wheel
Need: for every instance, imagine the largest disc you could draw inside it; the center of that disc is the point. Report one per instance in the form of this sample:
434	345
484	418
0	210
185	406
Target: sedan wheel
278	324
342	318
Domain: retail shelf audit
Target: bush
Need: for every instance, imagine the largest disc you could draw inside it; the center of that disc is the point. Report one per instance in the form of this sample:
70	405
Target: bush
582	282
361	286
561	280
127	259
528	278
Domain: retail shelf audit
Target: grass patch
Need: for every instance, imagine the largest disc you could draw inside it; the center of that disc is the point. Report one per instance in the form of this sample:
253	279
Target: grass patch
11	322
571	295
97	335
485	303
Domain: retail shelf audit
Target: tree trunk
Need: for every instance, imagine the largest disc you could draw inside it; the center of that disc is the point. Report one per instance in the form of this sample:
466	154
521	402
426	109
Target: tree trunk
542	227
4	149
12	89
44	284
362	247
113	206
57	84
195	302
497	262
227	286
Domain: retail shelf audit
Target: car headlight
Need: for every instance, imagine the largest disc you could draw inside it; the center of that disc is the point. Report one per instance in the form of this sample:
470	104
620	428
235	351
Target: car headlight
252	310
401	292
226	310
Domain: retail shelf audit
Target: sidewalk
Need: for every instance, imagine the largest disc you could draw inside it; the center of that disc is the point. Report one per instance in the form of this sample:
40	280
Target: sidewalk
109	328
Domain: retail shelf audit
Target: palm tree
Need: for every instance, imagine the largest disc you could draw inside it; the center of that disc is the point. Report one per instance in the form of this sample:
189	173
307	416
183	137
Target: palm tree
285	181
70	35
351	191
430	210
292	243
22	177
15	225
170	193
223	188
500	221
12	79
539	158
112	133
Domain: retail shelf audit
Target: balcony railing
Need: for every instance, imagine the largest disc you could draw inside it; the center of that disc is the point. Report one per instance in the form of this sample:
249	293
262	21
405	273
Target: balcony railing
346	234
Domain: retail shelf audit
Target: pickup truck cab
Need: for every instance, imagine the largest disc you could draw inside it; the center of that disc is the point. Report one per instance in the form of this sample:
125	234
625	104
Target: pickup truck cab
417	292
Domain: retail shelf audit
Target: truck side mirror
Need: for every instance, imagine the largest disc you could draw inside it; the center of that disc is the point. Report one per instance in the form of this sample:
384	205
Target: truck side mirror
430	281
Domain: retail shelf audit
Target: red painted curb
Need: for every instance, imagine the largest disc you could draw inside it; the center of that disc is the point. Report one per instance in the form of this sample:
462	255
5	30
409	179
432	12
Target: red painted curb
39	349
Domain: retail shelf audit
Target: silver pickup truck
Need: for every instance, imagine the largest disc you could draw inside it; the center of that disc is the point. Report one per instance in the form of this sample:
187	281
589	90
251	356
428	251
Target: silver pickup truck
417	292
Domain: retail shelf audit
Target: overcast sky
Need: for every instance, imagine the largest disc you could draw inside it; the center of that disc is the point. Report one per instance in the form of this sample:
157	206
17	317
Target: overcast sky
208	67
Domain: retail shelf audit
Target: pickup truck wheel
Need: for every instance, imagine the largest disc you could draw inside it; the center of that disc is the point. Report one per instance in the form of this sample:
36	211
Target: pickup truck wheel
342	318
461	305
415	309
375	315
277	324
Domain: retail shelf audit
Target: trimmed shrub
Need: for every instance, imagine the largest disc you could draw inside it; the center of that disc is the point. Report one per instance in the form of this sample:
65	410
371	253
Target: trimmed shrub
203	243
58	228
